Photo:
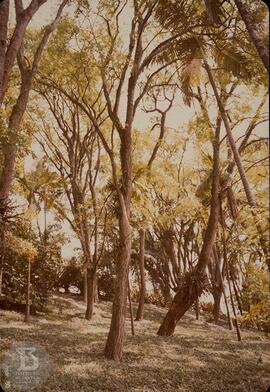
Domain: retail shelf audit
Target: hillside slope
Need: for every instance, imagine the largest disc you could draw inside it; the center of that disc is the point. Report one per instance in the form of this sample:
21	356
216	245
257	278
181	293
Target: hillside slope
200	357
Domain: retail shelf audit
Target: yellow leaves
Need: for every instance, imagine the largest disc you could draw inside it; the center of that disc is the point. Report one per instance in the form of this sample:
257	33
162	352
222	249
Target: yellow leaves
193	71
31	213
188	207
21	246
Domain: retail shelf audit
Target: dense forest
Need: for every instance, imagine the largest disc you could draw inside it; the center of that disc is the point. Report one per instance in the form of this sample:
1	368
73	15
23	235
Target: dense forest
134	181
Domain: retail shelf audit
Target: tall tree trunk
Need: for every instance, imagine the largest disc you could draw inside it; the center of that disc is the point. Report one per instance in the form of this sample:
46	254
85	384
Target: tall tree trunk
253	32
115	339
140	309
194	282
28	294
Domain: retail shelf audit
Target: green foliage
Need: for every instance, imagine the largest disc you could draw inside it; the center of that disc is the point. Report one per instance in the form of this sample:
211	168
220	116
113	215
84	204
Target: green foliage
71	275
255	298
46	264
150	298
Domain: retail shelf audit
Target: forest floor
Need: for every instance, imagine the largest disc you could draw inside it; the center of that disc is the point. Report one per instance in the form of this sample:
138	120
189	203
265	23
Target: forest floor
200	356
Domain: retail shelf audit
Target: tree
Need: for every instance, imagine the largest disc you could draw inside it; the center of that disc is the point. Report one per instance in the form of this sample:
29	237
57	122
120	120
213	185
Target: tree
194	283
11	51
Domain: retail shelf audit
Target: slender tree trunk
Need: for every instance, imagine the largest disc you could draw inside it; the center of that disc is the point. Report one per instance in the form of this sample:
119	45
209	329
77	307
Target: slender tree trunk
197	309
253	32
140	309
4	15
224	294
195	281
238	299
227	271
233	307
2	252
230	324
28	294
85	286
131	311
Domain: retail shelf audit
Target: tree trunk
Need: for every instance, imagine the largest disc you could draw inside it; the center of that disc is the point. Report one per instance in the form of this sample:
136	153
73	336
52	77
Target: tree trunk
195	281
197	309
217	294
2	252
221	279
91	292
253	33
140	309
131	311
227	271
28	294
85	286
238	299
16	41
4	15
115	340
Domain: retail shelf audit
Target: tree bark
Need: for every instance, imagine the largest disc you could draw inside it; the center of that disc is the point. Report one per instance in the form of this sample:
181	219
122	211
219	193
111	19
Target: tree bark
131	311
2	251
85	286
140	309
217	294
91	292
195	281
197	309
225	256
4	15
253	33
115	340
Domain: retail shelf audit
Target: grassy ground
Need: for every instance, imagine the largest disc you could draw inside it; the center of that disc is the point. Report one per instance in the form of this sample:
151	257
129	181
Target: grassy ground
200	357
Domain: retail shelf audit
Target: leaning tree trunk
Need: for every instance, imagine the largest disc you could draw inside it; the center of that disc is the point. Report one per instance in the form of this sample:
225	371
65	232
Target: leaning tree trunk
194	282
139	315
253	32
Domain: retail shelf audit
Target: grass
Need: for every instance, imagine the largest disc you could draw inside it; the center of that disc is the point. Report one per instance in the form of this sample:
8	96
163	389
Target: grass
200	356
